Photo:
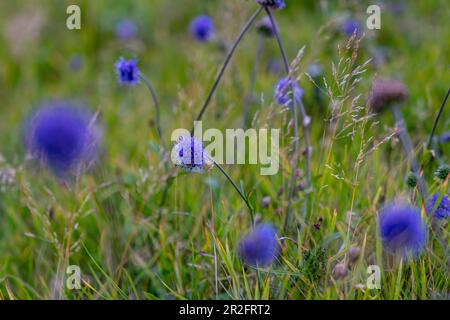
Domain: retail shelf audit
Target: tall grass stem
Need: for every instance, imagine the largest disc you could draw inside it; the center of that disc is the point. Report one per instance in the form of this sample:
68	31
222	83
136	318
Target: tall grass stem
226	62
436	121
156	102
239	191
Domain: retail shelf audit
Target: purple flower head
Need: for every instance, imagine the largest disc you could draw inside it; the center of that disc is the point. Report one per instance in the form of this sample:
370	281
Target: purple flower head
274	66
283	91
260	247
76	62
188	153
276	4
202	28
127	71
351	26
445	137
126	30
265	27
62	136
402	229
441	210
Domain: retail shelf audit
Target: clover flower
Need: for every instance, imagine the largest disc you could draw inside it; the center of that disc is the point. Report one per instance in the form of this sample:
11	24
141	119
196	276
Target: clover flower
61	136
260	247
442	209
354	253
126	30
127	71
402	229
265	27
340	270
283	91
188	153
276	4
386	91
202	28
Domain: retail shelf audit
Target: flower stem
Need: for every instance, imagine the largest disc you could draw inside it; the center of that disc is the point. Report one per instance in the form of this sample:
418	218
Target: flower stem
214	87
436	121
408	149
296	135
225	64
241	194
308	150
211	93
249	98
278	37
156	102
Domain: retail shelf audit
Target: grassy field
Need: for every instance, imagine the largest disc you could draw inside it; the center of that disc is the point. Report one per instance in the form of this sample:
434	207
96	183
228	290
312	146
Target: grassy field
139	228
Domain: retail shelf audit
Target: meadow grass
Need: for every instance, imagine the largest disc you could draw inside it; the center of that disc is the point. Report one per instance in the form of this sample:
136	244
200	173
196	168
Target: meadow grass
110	221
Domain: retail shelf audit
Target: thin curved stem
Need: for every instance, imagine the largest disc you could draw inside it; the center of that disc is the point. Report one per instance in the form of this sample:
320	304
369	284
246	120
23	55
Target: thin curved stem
436	121
159	131
249	206
278	37
156	102
226	62
249	98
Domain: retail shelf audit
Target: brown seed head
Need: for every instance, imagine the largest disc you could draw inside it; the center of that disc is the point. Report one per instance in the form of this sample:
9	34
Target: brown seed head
386	91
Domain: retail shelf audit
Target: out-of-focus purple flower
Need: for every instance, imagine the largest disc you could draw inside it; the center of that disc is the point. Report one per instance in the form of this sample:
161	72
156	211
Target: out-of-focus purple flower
386	91
442	210
202	28
265	27
315	70
62	136
76	63
398	7
445	137
23	29
351	26
127	71
274	66
188	153
402	229
126	30
260	247
283	91
276	4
